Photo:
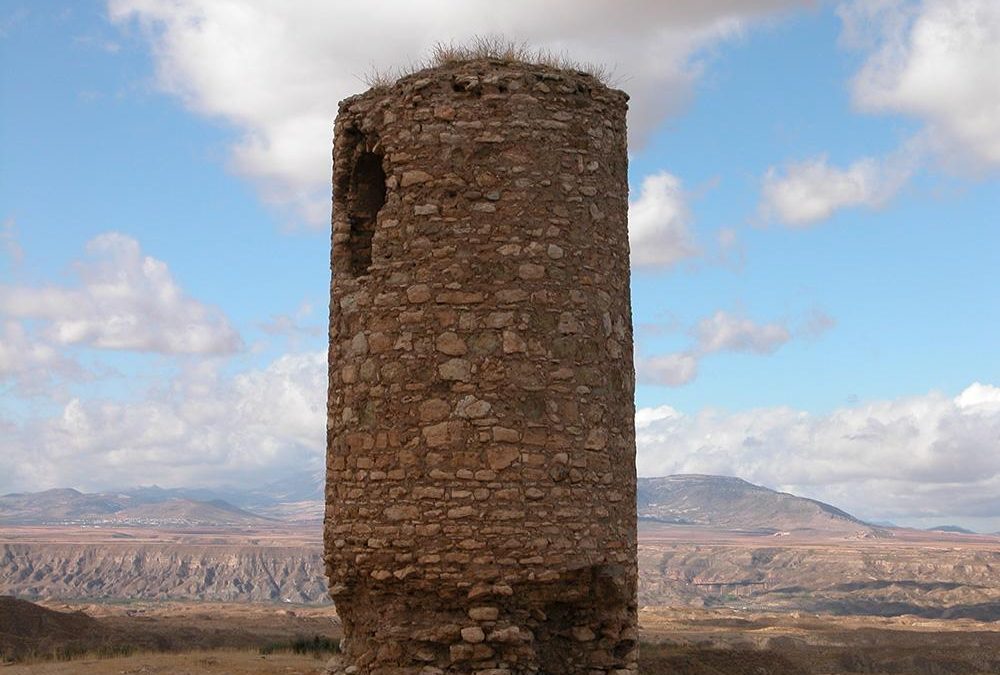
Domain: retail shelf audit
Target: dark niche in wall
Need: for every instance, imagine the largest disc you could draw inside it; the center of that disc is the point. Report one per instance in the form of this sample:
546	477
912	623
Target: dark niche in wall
367	196
361	192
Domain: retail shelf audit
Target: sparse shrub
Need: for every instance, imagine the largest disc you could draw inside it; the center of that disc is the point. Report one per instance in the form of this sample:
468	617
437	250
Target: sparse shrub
116	651
69	652
499	48
318	646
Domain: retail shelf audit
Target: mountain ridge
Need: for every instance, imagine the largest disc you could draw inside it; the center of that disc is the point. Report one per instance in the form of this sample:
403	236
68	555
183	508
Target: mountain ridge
731	503
702	500
953	529
68	506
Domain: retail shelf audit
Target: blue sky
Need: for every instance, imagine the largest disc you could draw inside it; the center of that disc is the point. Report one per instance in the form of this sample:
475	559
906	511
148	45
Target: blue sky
815	183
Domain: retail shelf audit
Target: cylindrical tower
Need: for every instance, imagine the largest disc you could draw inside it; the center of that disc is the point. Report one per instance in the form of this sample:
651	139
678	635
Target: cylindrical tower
481	445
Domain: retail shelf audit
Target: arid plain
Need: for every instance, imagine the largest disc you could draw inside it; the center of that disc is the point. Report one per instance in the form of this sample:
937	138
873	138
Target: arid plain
214	600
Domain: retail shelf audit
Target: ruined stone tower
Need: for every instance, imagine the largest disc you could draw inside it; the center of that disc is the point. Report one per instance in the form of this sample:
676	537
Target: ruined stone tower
481	453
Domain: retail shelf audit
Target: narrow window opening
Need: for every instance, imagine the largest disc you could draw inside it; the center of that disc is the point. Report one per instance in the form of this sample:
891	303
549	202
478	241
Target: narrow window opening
365	197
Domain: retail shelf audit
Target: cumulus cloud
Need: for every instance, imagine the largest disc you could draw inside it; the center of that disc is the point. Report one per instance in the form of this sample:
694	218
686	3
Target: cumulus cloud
125	301
29	363
671	370
202	429
804	193
658	223
723	332
980	398
277	69
728	332
926	457
934	60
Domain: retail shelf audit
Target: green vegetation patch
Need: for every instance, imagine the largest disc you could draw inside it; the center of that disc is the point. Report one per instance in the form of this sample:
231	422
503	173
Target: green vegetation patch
318	645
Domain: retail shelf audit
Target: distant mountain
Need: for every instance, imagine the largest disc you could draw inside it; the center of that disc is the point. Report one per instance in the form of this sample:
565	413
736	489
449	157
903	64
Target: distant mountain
60	505
304	486
309	511
186	512
715	502
954	529
294	498
724	502
68	506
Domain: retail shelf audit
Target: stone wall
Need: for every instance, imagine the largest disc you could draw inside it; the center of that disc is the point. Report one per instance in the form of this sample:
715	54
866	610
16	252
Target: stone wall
481	449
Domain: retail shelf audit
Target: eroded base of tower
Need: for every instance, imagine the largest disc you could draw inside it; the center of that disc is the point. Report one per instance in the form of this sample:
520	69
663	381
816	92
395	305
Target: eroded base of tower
583	621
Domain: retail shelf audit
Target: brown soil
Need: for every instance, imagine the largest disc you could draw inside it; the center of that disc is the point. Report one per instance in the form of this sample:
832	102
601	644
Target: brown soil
26	628
227	638
674	660
711	642
655	661
220	662
23	619
62	631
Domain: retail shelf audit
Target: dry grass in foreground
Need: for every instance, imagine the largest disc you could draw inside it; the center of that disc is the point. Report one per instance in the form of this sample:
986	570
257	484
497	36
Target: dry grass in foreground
189	663
655	661
205	639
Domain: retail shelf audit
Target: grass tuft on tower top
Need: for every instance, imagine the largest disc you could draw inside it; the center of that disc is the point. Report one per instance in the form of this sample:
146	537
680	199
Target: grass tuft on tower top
489	48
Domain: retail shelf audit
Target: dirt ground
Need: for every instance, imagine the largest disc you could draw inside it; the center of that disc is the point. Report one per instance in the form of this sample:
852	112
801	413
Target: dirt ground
190	663
684	641
207	638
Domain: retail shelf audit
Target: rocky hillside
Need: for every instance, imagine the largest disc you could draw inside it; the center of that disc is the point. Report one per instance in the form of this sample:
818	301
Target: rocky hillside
866	577
26	628
108	571
873	577
729	503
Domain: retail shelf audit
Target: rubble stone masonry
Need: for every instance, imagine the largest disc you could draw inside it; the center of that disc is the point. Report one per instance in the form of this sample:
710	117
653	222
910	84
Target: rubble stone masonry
481	446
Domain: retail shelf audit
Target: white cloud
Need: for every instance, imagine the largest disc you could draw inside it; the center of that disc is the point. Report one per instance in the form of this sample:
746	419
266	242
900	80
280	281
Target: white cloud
722	332
928	457
658	223
277	69
672	370
810	191
645	417
935	60
29	363
201	429
979	398
125	301
727	332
